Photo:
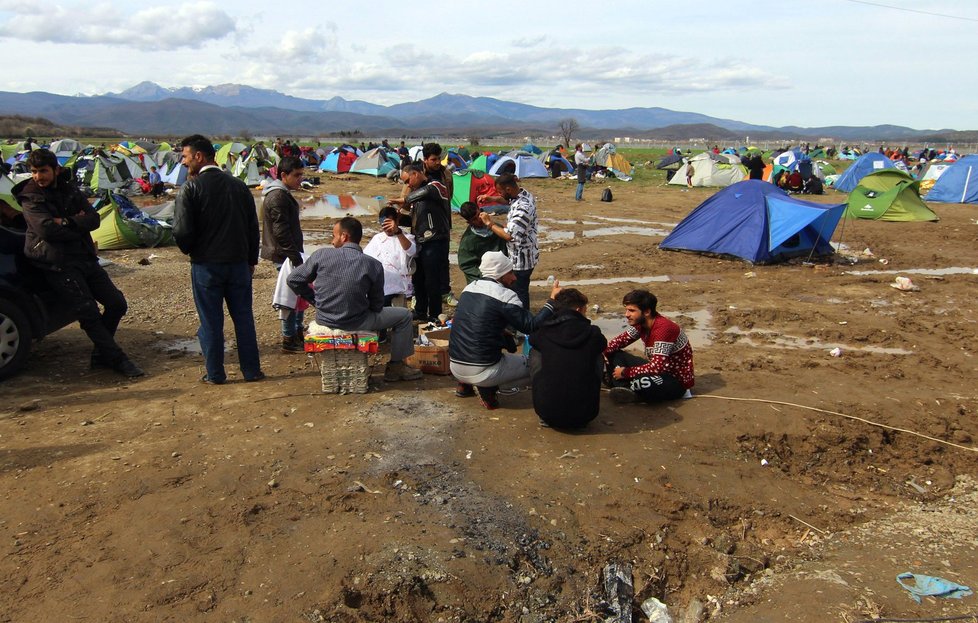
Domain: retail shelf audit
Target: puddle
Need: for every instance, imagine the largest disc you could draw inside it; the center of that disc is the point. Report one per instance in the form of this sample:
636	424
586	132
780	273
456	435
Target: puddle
189	346
814	298
699	332
953	270
789	341
589	266
604	281
619	230
338	206
614	219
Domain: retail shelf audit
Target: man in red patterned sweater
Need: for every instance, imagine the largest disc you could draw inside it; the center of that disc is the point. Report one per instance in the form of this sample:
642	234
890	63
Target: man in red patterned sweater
668	372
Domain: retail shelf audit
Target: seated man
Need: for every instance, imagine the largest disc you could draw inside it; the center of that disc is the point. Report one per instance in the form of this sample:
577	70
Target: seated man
394	249
476	241
566	364
156	182
487	306
668	373
349	295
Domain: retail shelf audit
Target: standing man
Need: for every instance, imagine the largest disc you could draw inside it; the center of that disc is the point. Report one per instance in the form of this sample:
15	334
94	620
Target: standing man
431	154
431	226
281	237
520	232
667	373
348	294
216	224
581	162
59	221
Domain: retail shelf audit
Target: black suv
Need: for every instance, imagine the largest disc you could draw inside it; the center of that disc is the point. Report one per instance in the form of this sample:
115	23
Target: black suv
28	309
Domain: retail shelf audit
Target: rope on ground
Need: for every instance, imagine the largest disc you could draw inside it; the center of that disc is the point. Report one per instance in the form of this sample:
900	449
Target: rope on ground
963	617
843	415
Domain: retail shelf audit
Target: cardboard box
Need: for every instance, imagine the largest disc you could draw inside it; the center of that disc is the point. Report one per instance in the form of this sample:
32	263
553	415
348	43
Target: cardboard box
438	337
430	359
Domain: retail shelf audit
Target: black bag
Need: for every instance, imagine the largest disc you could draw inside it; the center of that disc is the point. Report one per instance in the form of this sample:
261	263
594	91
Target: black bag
606	195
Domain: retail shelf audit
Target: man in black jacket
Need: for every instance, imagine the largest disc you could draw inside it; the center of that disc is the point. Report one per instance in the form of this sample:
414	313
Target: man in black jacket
281	237
216	224
566	364
431	215
59	221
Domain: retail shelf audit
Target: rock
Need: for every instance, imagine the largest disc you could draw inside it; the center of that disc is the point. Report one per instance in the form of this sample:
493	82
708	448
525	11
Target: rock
33	405
657	611
693	612
273	483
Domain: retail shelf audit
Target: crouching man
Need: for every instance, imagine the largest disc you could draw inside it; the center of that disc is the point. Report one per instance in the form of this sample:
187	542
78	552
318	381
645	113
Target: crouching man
486	308
667	373
349	295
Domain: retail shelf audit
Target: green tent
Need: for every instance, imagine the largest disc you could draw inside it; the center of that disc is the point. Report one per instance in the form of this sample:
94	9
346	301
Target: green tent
479	164
118	232
888	195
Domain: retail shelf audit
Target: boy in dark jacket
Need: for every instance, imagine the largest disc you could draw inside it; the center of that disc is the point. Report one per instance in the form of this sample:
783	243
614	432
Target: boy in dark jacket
59	221
566	364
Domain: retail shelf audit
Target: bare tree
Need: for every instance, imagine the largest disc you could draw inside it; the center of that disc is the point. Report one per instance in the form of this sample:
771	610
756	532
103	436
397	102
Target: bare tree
566	130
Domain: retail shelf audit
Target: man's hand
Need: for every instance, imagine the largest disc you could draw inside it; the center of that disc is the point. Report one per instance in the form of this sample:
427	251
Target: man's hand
395	203
555	290
619	372
486	219
390	227
251	270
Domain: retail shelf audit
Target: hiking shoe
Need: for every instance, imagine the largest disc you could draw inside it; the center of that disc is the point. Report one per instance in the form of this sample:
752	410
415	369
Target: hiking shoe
489	397
449	299
260	376
400	371
99	362
208	380
623	396
464	390
128	368
291	344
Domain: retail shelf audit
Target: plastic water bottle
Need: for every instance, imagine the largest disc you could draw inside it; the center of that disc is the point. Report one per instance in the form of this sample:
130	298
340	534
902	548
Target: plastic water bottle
550	281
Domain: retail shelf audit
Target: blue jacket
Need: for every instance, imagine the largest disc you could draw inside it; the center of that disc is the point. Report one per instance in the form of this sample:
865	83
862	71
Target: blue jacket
484	310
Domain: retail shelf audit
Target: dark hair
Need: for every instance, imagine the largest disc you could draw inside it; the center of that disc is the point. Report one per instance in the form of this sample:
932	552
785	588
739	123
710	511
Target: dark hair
40	158
431	149
352	228
386	213
412	167
468	210
507	180
570	298
579	146
288	165
200	143
643	299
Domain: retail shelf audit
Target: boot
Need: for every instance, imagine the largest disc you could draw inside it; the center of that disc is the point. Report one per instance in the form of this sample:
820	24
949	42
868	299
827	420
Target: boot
400	371
291	344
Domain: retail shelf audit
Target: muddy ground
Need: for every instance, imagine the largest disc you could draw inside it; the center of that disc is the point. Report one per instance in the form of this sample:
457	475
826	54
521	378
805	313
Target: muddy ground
167	500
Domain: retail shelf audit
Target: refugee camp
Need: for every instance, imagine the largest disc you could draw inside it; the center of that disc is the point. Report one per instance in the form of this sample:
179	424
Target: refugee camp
309	316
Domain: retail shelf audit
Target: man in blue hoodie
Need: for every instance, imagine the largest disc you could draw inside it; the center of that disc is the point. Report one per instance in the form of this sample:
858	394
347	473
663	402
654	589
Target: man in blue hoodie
281	236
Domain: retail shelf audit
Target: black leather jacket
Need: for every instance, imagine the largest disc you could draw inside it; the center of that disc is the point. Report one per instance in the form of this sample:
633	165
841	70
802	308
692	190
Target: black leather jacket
215	219
47	243
431	212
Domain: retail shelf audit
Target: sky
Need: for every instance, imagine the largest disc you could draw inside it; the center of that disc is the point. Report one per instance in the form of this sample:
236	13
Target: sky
810	64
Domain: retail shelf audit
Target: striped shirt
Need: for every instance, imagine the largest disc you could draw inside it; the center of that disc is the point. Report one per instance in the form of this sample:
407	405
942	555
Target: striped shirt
521	225
347	283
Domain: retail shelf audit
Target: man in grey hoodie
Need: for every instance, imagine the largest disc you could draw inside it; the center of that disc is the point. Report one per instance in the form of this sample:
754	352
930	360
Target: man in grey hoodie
281	236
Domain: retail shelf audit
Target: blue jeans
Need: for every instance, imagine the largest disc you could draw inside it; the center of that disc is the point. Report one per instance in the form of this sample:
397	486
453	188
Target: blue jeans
522	286
215	284
580	191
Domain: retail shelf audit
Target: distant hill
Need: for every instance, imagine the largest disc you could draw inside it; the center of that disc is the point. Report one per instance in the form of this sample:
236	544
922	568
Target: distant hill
23	126
240	110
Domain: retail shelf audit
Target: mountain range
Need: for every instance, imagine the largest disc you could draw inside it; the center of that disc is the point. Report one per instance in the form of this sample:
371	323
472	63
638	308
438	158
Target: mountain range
240	110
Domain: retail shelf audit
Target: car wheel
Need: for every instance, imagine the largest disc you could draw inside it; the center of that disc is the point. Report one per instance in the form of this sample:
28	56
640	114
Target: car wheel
15	338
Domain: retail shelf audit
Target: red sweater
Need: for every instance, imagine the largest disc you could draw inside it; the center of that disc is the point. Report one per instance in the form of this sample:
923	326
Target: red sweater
666	347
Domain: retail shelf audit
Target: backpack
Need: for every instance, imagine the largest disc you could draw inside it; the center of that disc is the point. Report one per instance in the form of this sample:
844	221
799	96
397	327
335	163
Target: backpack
606	195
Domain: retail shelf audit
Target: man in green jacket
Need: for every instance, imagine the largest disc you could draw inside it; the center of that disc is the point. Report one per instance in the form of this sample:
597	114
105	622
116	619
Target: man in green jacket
476	241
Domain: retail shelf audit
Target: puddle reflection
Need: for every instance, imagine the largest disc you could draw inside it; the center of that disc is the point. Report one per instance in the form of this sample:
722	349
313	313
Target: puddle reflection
338	206
774	339
953	270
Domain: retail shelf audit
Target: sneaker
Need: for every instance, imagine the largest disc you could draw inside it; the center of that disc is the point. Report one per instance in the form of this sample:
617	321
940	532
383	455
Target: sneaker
258	377
464	390
449	299
208	380
623	396
128	368
291	344
400	371
489	397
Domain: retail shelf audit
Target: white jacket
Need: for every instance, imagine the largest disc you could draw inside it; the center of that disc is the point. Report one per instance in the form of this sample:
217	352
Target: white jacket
396	261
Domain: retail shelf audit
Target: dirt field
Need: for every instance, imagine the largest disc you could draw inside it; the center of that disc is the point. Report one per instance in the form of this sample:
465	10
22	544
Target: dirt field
168	500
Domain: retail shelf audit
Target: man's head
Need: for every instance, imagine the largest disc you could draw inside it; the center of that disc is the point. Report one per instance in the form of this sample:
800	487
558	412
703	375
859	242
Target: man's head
470	212
347	229
639	307
290	172
431	155
198	152
569	298
579	147
508	186
44	167
496	266
413	175
388	213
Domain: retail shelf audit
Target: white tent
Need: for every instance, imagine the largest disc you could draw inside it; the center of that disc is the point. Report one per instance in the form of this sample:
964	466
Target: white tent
711	170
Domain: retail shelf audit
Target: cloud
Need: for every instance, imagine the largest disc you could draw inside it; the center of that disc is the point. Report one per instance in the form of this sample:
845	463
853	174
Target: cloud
151	29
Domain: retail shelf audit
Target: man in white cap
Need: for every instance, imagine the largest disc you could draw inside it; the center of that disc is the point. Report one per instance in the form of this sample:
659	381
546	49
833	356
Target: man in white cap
485	309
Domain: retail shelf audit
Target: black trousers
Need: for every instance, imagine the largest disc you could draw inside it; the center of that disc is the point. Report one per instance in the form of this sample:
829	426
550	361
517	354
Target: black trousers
430	278
81	287
648	387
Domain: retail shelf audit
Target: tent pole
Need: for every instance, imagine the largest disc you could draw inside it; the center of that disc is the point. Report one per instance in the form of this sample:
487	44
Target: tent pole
967	179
